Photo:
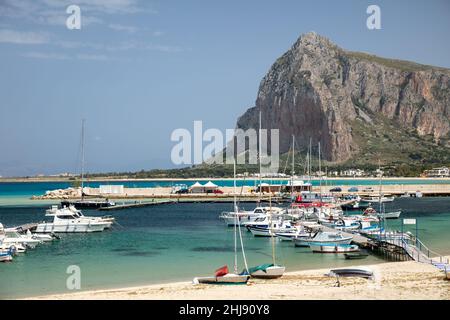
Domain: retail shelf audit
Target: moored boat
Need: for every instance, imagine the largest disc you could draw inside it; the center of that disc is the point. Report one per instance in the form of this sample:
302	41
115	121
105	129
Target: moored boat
332	247
67	221
324	238
355	256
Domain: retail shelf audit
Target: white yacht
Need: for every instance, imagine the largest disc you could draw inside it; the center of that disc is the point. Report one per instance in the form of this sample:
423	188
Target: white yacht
109	220
66	220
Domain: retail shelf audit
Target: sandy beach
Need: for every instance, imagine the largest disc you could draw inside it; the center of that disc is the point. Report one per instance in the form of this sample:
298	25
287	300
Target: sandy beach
392	281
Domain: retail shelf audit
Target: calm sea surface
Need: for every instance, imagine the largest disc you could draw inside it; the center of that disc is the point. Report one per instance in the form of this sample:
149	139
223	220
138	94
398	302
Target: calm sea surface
171	243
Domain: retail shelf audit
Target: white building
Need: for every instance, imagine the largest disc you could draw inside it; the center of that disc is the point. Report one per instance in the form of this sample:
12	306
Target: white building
437	172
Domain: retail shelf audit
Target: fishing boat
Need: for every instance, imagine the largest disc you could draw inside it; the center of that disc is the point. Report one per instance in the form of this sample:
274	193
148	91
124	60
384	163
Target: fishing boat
291	235
382	214
271	229
390	215
355	256
377	199
66	221
332	247
324	237
222	275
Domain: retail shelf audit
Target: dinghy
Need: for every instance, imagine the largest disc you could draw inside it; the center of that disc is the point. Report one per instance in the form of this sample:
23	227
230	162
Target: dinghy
222	276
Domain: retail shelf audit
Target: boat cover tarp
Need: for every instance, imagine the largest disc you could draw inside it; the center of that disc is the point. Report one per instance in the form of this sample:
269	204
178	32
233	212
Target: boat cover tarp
262	267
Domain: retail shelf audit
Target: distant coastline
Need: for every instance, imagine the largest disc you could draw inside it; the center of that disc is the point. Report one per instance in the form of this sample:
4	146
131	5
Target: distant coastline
52	179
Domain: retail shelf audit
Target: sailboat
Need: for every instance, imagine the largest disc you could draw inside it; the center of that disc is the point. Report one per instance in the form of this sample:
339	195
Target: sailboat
267	270
83	203
222	275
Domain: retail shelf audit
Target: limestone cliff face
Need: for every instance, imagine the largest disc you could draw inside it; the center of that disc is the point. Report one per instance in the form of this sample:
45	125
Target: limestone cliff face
320	91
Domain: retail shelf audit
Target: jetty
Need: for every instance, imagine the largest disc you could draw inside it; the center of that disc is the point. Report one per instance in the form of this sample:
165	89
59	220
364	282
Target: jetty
135	204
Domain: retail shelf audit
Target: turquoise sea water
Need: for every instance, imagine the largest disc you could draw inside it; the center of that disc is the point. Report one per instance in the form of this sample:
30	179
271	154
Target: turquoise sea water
174	243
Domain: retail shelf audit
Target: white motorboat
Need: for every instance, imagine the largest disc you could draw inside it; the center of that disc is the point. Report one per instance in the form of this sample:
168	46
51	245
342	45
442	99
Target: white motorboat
271	229
290	236
333	247
377	199
17	248
10	237
109	220
67	221
324	237
390	215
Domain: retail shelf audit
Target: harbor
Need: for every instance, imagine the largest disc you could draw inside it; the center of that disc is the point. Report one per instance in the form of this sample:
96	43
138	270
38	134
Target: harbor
154	235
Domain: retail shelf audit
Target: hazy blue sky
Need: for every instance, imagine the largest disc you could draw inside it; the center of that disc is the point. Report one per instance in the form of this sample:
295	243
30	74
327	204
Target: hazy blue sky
137	70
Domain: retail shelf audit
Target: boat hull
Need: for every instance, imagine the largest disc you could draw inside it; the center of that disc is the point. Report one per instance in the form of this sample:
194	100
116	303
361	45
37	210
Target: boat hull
69	228
227	279
5	258
272	272
333	248
306	242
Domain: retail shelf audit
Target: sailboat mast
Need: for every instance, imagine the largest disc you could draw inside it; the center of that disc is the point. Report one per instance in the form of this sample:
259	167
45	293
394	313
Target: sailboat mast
82	158
320	173
259	156
236	220
309	164
293	166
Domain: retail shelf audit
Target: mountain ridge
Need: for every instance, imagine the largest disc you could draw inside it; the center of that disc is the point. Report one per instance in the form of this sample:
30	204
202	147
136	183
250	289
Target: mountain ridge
347	100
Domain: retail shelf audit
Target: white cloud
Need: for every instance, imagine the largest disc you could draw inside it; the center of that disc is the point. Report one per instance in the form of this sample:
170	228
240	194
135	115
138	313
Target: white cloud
164	48
96	57
119	27
23	37
43	55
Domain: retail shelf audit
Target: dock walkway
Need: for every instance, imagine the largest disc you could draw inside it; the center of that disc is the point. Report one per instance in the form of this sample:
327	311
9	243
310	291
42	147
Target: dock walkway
136	205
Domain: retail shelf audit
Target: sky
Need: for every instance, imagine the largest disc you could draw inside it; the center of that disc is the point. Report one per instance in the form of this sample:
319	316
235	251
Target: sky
139	69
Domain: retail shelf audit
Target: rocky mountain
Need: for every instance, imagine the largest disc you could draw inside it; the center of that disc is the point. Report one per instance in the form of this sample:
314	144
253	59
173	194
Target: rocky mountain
359	106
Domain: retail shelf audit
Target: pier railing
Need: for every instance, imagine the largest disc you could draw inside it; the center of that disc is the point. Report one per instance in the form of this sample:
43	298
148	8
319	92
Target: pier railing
416	249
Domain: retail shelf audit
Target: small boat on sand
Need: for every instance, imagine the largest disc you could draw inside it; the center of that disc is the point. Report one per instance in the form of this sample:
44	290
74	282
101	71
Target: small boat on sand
222	276
351	272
